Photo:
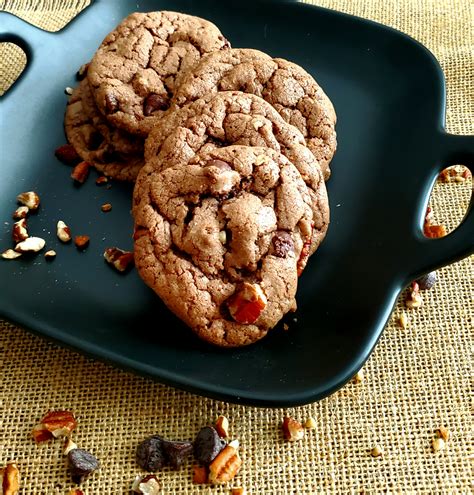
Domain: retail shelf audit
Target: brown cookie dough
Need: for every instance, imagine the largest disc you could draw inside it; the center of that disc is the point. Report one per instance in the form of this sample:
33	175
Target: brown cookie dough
232	117
138	65
220	239
113	152
287	86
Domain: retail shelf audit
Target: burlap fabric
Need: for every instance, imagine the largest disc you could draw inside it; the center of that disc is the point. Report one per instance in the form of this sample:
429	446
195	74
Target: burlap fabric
417	380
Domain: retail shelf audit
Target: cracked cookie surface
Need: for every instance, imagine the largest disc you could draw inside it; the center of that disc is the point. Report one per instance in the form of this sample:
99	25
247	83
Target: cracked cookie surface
288	87
113	152
136	69
228	118
220	239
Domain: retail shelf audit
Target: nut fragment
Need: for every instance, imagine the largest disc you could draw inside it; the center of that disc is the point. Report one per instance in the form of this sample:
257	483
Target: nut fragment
359	376
376	451
29	199
223	236
54	424
225	466
68	90
68	446
239	491
403	321
82	72
438	444
443	433
19	231
20	212
63	232
414	299
30	245
310	424
81	464
304	255
10	479
10	254
222	426
435	231
81	241
146	485
101	180
50	255
247	303
119	259
67	154
106	207
200	474
455	173
76	491
292	430
80	172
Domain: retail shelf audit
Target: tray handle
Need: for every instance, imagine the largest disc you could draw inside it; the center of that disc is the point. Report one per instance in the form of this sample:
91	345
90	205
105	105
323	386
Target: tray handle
430	254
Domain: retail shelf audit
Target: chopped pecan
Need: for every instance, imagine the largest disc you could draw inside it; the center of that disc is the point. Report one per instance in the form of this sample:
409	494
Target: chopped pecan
225	466
20	212
81	241
304	255
146	485
119	259
435	231
30	245
10	479
50	255
69	445
247	303
30	199
414	299
10	254
222	426
101	180
67	154
19	231
106	207
63	231
55	424
292	430
80	172
200	474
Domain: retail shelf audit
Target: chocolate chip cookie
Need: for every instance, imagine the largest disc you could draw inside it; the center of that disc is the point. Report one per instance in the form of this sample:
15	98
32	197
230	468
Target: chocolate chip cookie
287	86
228	118
220	237
113	152
136	69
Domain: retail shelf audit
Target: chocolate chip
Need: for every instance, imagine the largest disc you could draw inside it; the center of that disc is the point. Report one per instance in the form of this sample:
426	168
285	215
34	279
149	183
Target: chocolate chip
81	464
207	445
282	244
155	102
176	452
427	281
150	454
95	140
111	103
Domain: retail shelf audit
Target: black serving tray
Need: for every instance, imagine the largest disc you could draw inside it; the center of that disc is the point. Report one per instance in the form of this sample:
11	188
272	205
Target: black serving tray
389	95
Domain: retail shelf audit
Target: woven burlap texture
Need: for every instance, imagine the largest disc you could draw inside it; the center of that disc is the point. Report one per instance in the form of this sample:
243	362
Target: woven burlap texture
417	380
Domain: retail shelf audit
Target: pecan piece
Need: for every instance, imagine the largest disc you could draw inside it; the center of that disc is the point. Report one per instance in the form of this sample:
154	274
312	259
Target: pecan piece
200	474
10	479
81	241
292	430
20	212
50	255
225	466
80	172
54	424
19	231
67	154
247	303
30	245
119	259
146	485
29	199
101	180
222	426
10	254
304	255
63	231
106	207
